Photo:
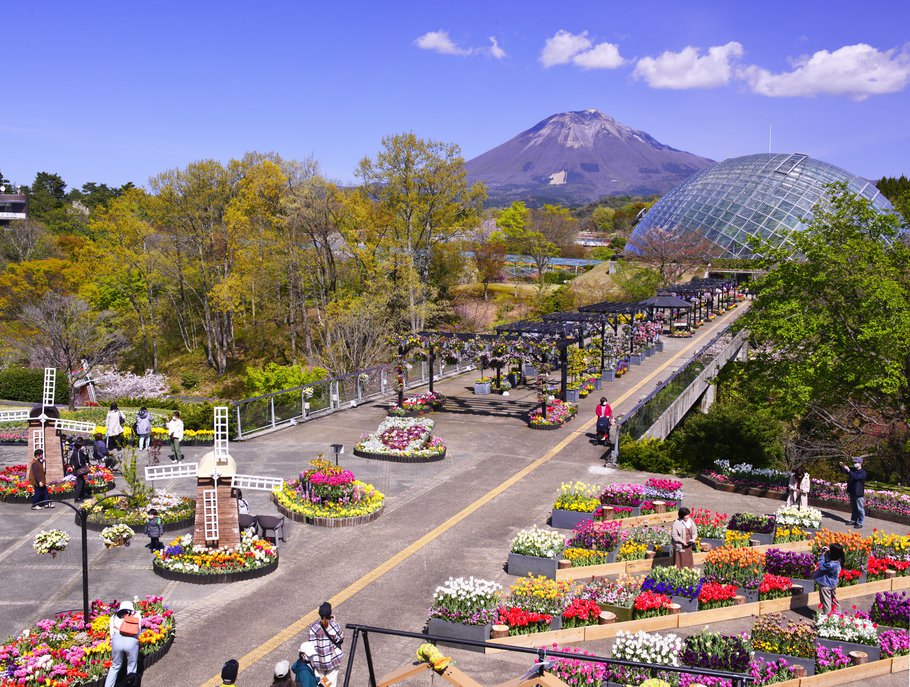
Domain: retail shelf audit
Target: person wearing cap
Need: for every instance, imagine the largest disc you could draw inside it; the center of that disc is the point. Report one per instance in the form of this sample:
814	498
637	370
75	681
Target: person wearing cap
229	672
304	675
283	676
327	637
856	490
125	626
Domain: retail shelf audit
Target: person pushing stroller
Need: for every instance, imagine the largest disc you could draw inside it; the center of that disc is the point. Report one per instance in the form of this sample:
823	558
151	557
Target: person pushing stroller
604	414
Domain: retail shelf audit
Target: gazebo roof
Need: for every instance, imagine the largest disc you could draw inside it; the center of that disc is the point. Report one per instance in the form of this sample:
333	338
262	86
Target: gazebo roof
666	301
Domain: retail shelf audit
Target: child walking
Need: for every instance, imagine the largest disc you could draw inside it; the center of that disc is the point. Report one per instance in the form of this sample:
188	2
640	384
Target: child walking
154	529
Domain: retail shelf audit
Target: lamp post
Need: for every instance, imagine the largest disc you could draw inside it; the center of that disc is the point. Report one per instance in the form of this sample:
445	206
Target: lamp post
82	515
338	449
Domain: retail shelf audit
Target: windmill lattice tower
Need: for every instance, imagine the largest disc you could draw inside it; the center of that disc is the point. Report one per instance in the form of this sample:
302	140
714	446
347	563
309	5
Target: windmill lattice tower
217	522
44	426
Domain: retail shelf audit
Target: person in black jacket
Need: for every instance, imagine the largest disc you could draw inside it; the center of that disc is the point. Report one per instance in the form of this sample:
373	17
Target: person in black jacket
856	490
79	463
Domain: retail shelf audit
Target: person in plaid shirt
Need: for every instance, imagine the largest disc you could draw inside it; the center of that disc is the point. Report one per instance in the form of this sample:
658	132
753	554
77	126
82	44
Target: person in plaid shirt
327	635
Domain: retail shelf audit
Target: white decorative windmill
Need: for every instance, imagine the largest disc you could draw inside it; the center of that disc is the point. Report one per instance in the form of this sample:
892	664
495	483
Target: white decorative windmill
43	423
217	522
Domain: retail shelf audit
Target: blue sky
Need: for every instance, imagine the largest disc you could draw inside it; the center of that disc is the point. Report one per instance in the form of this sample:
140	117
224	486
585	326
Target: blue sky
116	92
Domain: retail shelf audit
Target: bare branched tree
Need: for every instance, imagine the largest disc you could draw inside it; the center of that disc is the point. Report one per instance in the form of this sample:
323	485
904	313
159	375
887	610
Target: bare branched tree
671	252
64	332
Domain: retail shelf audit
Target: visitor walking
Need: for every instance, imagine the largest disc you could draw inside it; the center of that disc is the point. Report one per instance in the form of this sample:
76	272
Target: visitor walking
304	675
327	637
144	428
604	414
154	528
79	464
798	489
229	672
113	426
175	433
124	632
37	477
856	490
827	576
683	535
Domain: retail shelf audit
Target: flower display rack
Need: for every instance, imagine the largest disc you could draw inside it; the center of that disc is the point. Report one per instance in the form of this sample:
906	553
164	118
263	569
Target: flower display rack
216	578
350	521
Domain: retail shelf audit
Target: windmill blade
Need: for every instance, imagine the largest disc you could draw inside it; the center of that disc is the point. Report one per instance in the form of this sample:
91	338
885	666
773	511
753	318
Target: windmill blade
158	472
50	384
257	483
76	426
13	415
38	439
221	433
210	514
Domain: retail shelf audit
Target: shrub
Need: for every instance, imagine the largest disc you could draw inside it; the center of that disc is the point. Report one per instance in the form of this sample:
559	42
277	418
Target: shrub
271	377
647	454
27	384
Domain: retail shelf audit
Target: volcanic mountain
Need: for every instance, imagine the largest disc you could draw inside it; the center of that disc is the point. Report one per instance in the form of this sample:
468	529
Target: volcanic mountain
579	157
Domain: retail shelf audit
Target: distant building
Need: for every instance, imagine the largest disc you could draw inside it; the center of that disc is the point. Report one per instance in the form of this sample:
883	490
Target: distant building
12	206
757	195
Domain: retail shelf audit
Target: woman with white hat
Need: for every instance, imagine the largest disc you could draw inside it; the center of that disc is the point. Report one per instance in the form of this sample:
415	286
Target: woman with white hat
126	624
303	668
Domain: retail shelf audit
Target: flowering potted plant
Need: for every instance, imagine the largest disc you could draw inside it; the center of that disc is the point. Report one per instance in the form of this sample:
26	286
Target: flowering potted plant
877	568
805	519
522	622
648	647
117	535
602	536
576	502
799	567
893	546
650	604
737	540
540	595
464	608
631	550
849	631
580	612
716	595
420	404
50	542
482	385
828	659
682	585
894	643
742	567
658	538
615	595
775	587
664	490
761	527
785	535
716	651
892	609
711	526
775	637
621	494
535	552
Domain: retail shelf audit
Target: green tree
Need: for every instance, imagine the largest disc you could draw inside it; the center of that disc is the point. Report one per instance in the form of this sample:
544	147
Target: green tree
602	217
490	259
523	235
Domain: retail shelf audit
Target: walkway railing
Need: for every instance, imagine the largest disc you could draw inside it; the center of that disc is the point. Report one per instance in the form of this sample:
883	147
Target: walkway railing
279	409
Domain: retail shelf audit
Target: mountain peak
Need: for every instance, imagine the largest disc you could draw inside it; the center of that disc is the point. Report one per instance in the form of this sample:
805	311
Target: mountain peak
580	156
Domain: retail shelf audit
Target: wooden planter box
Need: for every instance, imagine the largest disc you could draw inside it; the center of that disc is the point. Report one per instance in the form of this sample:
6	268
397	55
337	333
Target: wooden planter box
567	519
764	539
521	566
622	613
686	605
807	585
454	631
874	652
714	542
481	389
750	594
807	663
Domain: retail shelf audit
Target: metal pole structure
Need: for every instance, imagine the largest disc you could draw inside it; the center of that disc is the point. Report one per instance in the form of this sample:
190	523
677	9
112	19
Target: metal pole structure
603	346
347	671
431	360
369	655
564	368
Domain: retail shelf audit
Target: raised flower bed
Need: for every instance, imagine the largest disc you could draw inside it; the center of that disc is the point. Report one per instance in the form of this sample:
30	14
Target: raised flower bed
184	562
540	595
558	414
760	527
402	440
848	631
535	552
742	567
14	486
601	538
575	503
682	585
616	595
465	608
326	495
774	637
712	527
891	609
792	564
621	494
805	519
856	547
65	651
420	404
176	512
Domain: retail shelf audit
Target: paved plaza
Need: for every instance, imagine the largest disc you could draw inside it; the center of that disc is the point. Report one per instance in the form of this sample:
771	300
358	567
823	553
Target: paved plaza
451	518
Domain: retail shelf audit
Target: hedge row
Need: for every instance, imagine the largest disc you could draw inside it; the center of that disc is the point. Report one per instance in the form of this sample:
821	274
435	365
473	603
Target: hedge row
27	384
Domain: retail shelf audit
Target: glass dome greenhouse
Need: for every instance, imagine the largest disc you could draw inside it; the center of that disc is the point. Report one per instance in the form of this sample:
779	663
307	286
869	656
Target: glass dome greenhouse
767	195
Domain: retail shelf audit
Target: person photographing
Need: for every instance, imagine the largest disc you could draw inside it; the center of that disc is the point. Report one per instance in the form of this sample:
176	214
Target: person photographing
856	490
827	575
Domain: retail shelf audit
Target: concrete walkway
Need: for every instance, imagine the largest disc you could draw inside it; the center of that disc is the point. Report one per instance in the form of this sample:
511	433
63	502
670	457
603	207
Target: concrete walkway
442	519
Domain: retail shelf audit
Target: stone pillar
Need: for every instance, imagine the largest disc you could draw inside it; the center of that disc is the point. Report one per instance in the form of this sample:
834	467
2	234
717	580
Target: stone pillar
707	398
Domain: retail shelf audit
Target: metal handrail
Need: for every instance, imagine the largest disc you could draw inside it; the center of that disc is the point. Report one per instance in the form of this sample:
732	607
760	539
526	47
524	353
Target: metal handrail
737	679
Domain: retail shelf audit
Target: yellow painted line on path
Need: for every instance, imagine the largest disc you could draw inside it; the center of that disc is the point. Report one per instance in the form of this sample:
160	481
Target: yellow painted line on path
304	622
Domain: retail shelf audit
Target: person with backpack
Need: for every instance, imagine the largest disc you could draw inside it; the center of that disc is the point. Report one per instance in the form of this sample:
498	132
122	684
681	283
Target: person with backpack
113	426
327	637
143	428
125	627
80	467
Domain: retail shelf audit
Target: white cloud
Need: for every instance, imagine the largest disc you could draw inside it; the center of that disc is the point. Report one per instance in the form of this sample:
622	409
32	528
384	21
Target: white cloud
688	69
439	41
857	71
601	56
564	47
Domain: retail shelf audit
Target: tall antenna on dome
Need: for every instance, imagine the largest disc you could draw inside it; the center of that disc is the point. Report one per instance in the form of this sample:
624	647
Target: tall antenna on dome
769	140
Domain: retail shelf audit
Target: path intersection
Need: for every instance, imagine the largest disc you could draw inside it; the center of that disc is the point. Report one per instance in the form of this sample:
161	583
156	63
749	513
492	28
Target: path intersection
451	518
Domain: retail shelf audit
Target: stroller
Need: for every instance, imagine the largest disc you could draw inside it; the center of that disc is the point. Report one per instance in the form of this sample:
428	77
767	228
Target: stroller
602	430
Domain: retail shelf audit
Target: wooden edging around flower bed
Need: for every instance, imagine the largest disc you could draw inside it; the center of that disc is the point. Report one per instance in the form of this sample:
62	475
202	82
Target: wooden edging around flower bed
644	565
175	526
871	512
391	458
714	615
326	522
220	578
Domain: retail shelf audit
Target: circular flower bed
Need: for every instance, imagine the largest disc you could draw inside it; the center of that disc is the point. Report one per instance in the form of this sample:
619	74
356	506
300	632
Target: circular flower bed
186	562
329	496
63	651
404	440
14	486
558	414
176	512
421	404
